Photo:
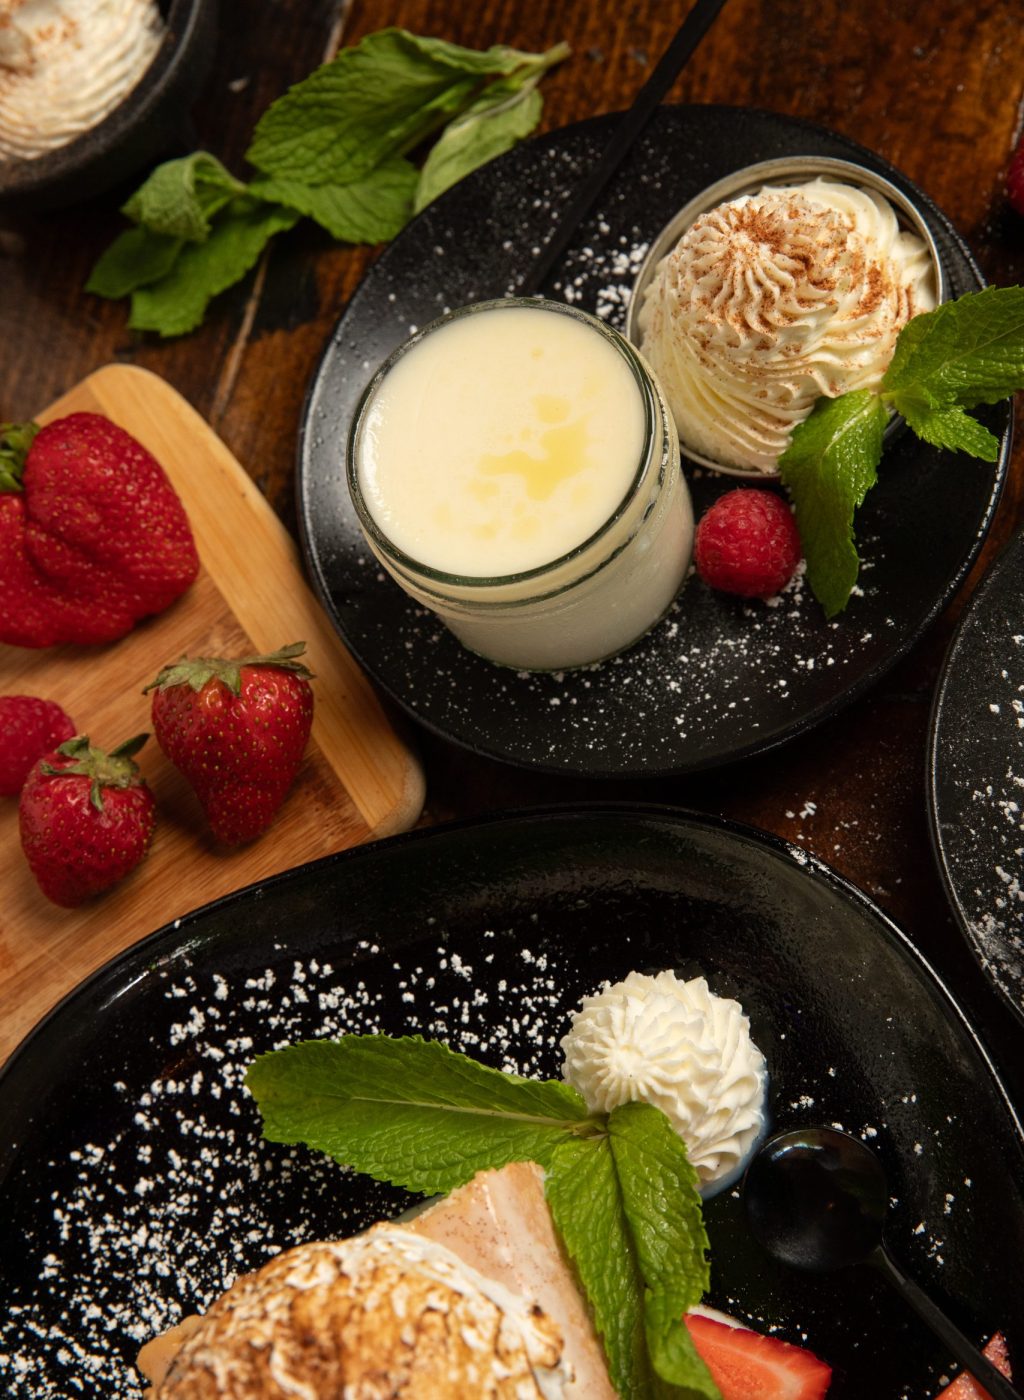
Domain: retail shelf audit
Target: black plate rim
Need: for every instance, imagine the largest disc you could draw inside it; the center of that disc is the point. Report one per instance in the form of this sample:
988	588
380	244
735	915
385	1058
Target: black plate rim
803	724
173	938
988	584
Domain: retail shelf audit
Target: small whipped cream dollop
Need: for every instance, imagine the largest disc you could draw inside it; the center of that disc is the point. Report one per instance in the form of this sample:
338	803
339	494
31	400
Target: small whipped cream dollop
66	64
680	1047
770	301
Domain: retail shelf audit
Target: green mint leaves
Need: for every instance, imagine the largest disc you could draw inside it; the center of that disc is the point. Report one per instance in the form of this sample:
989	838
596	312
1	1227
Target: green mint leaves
621	1189
335	149
410	1111
964	353
829	467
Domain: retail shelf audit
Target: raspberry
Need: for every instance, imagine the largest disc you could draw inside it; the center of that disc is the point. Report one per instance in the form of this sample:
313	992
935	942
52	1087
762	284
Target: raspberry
28	729
747	543
1015	178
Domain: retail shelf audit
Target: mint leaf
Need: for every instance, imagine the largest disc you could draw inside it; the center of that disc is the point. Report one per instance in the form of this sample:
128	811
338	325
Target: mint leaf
177	302
623	1205
410	1111
369	210
829	466
965	352
671	1244
952	428
134	259
181	196
503	114
374	101
582	1190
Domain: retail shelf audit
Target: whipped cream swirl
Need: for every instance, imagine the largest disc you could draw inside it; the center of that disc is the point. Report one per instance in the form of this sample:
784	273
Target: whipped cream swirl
66	64
680	1047
772	300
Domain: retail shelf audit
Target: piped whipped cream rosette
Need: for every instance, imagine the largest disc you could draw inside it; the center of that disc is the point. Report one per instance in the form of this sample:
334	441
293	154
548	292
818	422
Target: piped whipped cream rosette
772	300
66	64
678	1046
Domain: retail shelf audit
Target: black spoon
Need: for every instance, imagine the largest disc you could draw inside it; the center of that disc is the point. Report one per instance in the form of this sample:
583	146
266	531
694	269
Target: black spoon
816	1199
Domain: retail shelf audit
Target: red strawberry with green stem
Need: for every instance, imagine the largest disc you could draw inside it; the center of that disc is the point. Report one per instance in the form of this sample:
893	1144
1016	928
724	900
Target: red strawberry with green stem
237	730
29	728
93	536
86	819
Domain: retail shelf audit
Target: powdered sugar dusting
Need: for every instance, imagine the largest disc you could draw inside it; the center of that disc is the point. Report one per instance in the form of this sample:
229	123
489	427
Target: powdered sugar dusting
159	1217
979	781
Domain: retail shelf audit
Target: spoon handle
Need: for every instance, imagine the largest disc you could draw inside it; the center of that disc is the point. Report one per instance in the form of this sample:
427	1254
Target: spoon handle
959	1346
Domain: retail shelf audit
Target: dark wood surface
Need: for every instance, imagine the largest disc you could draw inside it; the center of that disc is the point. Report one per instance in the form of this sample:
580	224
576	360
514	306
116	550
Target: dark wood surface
935	88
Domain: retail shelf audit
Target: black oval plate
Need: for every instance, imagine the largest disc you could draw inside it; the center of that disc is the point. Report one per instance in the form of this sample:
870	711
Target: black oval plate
134	1184
976	773
718	679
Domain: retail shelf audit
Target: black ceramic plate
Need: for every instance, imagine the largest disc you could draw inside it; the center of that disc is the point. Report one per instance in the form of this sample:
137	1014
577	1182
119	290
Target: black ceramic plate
718	679
134	1185
976	773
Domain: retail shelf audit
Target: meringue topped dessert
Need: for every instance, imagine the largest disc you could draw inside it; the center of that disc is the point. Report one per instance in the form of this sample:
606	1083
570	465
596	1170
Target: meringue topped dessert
772	300
66	64
678	1046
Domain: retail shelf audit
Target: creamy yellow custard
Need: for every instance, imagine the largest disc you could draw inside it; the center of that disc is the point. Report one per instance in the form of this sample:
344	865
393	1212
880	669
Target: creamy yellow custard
501	442
515	470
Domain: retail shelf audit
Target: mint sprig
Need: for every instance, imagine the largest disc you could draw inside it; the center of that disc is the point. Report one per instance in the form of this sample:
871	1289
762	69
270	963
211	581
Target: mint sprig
334	148
622	1192
964	353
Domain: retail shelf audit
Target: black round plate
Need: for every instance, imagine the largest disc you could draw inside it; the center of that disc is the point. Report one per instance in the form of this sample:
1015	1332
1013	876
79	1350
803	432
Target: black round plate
976	773
134	1184
718	679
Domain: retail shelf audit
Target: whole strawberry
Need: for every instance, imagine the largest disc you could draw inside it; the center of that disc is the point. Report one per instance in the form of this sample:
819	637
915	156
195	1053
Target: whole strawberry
93	536
747	543
86	819
29	728
237	730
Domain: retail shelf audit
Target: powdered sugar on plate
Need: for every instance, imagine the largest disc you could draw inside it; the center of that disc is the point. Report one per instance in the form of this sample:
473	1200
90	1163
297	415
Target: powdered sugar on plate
978	773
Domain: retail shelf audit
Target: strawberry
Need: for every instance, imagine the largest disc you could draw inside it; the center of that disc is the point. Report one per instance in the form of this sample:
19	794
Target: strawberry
28	729
966	1387
86	819
237	730
92	535
748	1366
747	543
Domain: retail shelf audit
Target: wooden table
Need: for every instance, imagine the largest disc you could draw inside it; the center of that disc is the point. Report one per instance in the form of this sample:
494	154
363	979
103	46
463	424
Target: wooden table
935	89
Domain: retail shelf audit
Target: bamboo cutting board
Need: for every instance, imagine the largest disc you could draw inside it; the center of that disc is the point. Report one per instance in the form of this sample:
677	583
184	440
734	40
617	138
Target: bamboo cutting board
358	780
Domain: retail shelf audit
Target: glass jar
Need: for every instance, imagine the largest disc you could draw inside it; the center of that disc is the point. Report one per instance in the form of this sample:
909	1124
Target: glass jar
587	601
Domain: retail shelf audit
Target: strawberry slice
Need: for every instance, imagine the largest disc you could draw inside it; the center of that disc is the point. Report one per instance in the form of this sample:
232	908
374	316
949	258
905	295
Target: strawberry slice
748	1366
966	1387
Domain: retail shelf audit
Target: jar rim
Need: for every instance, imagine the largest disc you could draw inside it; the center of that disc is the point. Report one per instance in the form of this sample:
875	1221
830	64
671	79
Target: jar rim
405	562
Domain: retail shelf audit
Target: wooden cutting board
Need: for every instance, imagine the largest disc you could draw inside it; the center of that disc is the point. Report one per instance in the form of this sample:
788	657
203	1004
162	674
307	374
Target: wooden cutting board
358	780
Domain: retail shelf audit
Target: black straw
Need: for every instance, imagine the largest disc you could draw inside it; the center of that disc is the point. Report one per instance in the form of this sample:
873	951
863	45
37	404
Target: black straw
673	60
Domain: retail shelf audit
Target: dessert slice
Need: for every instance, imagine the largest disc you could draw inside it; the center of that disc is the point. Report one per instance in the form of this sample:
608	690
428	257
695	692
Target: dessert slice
499	1223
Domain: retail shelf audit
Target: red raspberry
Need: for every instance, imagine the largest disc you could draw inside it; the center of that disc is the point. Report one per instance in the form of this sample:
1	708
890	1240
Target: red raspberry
28	729
747	543
1015	178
